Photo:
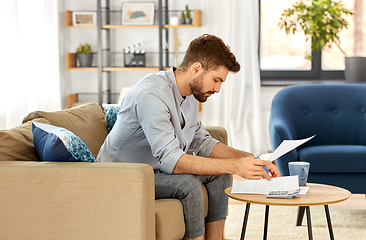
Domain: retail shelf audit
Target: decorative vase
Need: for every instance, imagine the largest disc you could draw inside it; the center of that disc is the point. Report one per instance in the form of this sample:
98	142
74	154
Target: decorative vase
355	69
85	59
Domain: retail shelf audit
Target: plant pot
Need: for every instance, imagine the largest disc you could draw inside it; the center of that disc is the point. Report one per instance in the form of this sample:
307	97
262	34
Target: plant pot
182	21
189	20
355	69
85	59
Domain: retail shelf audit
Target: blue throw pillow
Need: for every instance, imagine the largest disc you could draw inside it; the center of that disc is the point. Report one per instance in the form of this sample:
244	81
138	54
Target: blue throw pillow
56	144
111	111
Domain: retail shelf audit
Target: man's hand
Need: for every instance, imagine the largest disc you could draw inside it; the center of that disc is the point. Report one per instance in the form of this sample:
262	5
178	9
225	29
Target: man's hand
273	169
251	168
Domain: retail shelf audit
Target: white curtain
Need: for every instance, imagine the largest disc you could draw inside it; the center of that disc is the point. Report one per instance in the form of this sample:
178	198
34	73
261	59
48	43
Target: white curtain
29	59
238	105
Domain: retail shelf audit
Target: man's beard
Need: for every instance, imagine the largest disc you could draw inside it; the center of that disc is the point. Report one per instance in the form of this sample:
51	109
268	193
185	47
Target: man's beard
196	88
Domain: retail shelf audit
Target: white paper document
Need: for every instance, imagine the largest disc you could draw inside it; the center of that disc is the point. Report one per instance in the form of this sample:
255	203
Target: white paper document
264	186
303	190
283	148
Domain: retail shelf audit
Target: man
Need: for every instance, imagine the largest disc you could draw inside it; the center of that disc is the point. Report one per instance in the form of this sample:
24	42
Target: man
158	123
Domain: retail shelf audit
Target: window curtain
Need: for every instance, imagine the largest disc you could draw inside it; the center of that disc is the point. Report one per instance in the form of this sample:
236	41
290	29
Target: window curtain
238	105
29	67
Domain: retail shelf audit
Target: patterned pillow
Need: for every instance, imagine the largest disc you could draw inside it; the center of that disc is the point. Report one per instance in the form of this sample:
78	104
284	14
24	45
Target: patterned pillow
56	144
111	111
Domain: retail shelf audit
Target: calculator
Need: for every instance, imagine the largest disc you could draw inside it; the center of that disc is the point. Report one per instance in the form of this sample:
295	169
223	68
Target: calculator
283	194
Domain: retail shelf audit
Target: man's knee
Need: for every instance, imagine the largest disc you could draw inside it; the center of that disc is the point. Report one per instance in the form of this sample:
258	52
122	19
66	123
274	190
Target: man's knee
217	182
226	179
190	187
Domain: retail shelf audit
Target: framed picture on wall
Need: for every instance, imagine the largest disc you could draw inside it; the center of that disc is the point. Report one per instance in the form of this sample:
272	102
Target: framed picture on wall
84	18
138	13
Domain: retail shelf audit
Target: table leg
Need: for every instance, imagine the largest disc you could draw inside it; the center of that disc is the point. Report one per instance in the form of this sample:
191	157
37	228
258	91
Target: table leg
308	218
329	222
300	215
266	223
245	221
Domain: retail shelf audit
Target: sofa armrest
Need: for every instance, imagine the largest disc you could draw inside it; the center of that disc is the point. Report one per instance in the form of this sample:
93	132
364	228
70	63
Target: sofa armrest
219	133
76	201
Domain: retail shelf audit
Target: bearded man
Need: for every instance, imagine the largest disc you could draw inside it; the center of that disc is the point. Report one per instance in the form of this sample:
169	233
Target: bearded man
158	123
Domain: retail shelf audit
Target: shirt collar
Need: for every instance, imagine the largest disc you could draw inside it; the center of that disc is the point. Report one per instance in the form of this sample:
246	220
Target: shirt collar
178	97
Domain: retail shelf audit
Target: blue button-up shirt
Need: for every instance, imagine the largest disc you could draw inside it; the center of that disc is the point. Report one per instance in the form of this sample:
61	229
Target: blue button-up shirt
156	125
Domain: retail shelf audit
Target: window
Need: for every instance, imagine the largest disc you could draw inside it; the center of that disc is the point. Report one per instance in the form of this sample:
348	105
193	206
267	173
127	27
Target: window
282	56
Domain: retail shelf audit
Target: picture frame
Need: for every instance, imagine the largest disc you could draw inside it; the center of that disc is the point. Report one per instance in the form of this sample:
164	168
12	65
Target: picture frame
138	13
82	18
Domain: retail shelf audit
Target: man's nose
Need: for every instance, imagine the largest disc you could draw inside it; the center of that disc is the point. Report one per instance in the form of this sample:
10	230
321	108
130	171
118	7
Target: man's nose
217	87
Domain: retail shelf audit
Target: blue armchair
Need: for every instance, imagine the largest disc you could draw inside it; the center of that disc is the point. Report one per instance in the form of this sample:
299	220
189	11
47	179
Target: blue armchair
336	113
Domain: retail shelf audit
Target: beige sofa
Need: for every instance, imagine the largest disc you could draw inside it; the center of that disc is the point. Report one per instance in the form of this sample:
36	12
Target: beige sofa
58	200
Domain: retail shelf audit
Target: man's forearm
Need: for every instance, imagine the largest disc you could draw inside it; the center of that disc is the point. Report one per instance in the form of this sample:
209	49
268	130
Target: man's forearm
225	160
223	151
222	160
192	164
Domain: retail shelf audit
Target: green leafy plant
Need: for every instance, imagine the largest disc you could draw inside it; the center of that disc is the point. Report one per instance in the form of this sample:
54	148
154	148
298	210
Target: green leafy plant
84	48
321	21
183	16
188	12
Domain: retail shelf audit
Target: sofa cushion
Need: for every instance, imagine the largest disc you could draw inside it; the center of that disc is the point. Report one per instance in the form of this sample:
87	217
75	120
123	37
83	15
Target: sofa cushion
86	121
57	144
169	219
335	158
17	143
111	111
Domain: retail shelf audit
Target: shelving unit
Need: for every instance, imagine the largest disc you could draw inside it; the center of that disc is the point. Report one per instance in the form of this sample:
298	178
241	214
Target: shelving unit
163	26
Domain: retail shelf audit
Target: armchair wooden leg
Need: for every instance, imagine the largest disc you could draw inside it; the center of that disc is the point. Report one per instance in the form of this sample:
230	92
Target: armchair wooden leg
300	215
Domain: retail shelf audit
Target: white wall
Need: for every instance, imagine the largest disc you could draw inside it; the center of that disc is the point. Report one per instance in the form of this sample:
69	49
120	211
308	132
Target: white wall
87	81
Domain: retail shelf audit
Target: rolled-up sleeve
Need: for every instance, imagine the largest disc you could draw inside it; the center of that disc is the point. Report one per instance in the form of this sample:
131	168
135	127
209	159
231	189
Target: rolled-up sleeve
202	144
155	120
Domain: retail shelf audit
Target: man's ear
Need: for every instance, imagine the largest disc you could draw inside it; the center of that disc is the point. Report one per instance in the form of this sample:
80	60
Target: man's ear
196	68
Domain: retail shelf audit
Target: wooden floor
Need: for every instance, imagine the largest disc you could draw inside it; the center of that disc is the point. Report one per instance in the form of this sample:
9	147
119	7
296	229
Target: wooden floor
356	201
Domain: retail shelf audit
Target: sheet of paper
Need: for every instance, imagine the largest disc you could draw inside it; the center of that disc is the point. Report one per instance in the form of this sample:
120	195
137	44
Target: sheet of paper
264	186
303	190
283	148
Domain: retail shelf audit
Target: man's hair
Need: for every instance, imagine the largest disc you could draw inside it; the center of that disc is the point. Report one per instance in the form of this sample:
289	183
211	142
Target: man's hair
211	52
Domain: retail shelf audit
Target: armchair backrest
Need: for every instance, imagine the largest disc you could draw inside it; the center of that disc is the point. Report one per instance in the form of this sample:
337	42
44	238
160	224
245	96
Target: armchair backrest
336	113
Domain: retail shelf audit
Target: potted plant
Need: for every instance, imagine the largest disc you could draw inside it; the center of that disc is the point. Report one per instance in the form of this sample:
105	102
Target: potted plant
183	18
84	55
322	22
188	16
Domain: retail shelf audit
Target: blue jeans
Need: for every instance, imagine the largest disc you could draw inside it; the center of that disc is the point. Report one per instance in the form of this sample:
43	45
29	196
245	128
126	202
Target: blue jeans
187	189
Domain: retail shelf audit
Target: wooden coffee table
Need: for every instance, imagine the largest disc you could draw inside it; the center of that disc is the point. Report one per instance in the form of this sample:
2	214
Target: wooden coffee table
318	194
